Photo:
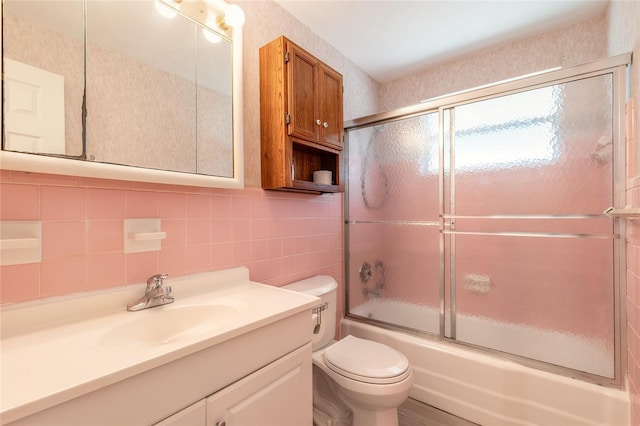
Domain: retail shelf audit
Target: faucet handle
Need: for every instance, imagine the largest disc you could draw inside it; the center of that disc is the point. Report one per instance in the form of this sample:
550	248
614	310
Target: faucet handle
159	292
155	281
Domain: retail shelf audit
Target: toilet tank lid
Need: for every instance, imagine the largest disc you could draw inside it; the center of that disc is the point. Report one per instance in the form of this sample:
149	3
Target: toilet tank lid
318	285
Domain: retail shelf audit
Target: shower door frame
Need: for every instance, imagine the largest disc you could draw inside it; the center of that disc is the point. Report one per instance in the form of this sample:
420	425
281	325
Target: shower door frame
618	67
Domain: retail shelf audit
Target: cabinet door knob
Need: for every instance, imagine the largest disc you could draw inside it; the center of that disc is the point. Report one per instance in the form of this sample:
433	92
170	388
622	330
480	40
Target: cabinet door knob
318	122
221	423
325	124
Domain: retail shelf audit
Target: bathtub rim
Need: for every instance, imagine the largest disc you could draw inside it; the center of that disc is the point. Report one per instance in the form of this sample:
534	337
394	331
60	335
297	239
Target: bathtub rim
607	402
543	366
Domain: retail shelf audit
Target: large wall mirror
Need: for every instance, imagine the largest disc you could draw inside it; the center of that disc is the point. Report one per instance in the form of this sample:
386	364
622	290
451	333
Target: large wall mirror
146	90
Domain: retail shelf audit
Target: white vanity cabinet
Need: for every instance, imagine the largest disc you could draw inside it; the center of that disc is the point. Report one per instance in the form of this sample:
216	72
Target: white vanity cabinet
276	395
247	364
257	375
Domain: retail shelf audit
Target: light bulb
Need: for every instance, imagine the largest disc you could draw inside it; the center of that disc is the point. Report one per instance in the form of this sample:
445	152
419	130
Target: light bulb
210	36
165	10
234	16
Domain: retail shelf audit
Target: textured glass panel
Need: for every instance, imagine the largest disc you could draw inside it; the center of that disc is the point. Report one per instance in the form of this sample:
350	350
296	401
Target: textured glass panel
393	170
517	277
544	151
394	274
545	298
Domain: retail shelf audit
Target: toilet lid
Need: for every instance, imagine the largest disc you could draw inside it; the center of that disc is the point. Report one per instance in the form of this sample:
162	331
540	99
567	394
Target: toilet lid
366	361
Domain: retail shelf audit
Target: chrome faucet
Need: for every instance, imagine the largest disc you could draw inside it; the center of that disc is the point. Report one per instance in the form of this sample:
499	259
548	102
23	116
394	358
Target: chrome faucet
156	294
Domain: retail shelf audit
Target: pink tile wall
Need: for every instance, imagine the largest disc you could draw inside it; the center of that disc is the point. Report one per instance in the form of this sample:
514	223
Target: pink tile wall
281	237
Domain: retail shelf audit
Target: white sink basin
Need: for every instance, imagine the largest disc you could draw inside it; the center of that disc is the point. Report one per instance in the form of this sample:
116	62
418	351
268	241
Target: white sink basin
168	324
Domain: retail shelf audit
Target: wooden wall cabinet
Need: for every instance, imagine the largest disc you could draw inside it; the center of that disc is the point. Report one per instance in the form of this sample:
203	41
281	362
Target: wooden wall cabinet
301	119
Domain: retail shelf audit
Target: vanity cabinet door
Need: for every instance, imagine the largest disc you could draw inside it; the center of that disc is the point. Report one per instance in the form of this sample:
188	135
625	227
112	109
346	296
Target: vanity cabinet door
279	394
194	415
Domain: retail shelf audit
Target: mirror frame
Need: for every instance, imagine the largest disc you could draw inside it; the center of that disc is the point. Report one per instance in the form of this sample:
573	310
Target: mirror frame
18	161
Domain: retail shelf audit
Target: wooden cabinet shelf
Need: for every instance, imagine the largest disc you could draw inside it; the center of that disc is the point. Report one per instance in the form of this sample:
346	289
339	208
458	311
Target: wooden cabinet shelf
301	123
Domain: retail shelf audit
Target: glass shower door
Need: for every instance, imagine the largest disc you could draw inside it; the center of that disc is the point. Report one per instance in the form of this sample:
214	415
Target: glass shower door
393	224
477	217
529	255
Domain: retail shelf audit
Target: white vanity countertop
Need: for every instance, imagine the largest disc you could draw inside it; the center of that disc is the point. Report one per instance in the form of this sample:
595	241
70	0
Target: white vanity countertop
54	351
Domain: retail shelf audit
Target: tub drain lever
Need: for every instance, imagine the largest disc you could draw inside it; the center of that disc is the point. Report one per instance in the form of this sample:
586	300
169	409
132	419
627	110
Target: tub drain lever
317	311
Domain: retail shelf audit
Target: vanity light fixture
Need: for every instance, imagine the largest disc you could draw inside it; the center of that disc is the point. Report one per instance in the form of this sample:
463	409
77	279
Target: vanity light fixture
211	13
234	16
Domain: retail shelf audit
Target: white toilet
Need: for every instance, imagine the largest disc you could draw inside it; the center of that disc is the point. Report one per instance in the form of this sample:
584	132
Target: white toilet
372	379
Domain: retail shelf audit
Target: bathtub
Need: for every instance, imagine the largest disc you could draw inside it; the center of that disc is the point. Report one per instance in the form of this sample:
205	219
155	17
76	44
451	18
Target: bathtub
485	389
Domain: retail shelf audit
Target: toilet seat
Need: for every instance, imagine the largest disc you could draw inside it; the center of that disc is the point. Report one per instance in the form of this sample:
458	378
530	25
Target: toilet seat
366	361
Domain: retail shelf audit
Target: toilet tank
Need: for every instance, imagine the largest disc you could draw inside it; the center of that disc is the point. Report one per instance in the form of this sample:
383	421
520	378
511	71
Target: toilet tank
324	287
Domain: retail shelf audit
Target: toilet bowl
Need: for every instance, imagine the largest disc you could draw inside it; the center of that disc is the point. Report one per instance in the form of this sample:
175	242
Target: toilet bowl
371	378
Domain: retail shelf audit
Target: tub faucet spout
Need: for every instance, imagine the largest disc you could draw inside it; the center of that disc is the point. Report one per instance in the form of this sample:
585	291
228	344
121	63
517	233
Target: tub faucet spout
156	294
